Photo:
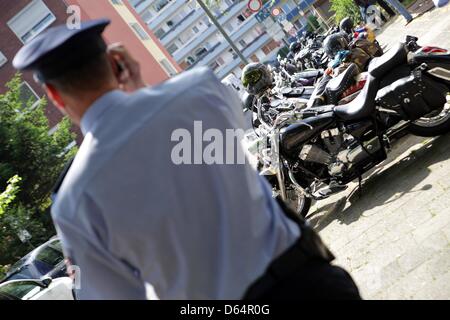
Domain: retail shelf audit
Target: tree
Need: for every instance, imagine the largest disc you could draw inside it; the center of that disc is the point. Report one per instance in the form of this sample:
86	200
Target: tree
313	23
345	8
29	151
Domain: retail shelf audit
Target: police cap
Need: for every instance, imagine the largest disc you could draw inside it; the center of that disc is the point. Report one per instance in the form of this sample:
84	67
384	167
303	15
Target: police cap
60	49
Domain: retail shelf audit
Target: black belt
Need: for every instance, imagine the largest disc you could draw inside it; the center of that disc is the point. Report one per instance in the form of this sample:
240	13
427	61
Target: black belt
308	248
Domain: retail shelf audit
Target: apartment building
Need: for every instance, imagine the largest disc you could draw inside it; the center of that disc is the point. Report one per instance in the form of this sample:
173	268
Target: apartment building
128	28
192	40
22	20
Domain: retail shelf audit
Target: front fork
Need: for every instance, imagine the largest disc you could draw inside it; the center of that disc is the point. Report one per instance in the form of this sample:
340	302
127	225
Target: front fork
275	143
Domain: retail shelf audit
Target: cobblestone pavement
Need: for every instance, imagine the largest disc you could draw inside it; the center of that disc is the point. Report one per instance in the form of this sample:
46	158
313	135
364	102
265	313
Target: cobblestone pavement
432	28
395	238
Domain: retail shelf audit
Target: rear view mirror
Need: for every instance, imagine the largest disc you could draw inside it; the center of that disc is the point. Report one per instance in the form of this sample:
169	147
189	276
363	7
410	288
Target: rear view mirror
46	281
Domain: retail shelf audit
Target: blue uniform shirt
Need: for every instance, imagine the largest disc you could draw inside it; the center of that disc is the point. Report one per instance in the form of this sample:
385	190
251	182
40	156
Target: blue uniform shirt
129	217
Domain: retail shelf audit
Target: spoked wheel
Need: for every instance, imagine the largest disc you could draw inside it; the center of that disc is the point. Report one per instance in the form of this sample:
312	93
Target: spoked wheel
298	202
433	124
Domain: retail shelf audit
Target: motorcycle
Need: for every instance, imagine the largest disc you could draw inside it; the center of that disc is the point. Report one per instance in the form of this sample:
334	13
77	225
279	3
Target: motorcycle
312	55
311	153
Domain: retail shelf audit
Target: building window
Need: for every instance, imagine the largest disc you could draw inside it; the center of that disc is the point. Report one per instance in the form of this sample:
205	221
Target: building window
159	5
168	67
234	54
190	60
200	52
192	5
254	58
31	20
27	96
136	3
229	27
159	33
140	32
146	16
172	48
241	18
214	66
288	7
206	21
3	59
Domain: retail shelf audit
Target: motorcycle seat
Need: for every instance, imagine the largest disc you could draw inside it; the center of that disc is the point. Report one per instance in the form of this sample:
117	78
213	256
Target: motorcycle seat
336	86
396	56
308	74
363	105
295	93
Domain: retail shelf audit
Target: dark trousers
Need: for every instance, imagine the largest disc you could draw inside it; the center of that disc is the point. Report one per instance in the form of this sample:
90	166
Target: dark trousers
316	280
304	272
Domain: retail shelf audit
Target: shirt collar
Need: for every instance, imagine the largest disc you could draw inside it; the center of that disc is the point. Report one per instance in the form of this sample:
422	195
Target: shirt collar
96	110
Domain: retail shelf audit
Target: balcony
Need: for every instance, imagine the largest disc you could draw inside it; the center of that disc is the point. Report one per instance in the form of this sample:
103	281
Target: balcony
143	5
243	29
304	5
165	13
187	49
247	52
181	26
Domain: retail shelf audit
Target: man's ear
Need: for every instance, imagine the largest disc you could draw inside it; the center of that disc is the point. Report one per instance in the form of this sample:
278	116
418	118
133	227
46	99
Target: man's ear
54	96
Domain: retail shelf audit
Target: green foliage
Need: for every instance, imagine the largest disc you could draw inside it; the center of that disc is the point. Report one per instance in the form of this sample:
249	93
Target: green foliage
27	151
283	52
9	194
345	8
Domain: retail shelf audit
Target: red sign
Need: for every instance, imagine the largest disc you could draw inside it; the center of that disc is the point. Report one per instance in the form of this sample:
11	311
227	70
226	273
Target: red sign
276	12
254	5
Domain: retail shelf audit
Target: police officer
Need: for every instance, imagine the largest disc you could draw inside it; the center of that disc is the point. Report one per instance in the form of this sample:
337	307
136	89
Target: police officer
132	219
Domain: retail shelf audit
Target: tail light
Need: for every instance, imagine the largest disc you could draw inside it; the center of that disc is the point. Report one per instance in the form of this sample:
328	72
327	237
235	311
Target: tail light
429	49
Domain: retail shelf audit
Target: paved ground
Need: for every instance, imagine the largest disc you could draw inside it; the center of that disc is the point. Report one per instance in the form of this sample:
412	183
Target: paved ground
420	6
432	28
395	239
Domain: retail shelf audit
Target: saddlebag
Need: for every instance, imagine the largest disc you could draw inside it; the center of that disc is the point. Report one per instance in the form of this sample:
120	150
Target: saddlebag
414	96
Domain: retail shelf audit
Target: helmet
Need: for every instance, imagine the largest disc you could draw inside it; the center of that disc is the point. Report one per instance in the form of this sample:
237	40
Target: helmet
334	43
346	25
295	46
256	78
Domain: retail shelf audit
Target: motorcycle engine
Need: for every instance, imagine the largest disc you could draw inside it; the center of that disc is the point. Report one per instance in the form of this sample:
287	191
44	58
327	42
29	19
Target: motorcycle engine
340	151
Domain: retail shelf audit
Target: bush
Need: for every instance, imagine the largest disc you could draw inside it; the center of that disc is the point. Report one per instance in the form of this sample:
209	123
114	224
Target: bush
345	8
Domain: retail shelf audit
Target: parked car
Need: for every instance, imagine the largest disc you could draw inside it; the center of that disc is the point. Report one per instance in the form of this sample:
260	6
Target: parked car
47	260
32	289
